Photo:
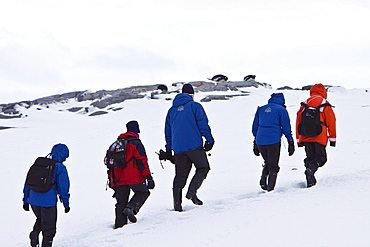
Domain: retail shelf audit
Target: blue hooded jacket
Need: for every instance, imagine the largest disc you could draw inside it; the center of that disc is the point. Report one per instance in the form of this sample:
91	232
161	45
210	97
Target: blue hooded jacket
186	123
59	153
272	121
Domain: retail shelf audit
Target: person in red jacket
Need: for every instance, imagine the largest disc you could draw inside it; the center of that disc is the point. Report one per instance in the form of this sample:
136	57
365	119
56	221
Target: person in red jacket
315	147
135	176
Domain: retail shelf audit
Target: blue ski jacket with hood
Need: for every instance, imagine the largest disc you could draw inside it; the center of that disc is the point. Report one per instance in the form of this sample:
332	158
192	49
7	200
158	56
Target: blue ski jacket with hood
60	153
271	121
186	123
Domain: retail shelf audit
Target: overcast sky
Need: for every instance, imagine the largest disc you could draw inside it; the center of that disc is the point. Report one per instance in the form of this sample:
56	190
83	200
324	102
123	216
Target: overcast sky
52	47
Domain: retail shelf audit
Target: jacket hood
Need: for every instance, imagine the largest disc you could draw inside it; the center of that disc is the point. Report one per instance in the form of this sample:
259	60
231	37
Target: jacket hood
127	134
60	152
277	98
181	99
318	89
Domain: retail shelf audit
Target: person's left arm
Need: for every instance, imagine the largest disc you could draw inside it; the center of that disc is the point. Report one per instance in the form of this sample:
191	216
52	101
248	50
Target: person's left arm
63	184
330	122
141	158
285	125
202	122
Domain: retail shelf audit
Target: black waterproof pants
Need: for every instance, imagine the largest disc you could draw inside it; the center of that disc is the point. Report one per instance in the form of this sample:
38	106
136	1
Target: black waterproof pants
315	155
46	221
122	193
271	156
184	162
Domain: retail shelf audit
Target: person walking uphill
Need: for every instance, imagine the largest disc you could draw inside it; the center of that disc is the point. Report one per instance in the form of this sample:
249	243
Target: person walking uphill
314	133
134	175
270	122
44	204
186	124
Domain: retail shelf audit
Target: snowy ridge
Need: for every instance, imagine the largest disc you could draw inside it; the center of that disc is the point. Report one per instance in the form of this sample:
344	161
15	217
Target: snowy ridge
103	101
235	212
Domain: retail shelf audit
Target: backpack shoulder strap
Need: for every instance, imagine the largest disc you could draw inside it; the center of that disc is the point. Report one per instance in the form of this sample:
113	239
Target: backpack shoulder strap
130	138
51	158
325	104
127	140
45	161
317	107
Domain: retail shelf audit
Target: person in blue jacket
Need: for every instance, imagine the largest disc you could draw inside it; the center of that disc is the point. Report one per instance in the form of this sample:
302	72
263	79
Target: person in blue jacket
186	125
44	205
271	121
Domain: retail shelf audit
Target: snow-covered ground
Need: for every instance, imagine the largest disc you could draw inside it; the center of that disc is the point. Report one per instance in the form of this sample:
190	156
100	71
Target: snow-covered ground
336	212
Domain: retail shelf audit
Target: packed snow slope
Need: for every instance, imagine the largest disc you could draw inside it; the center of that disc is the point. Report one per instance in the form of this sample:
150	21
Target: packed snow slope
235	212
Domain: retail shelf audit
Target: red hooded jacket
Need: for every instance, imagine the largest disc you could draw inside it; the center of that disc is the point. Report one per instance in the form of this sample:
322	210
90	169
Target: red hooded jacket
136	170
318	96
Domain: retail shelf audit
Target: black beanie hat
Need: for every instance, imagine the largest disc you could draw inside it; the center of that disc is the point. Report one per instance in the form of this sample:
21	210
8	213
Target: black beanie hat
133	126
188	88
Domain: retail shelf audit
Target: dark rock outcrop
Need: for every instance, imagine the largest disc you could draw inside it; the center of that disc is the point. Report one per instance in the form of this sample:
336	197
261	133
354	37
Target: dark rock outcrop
2	116
284	88
104	98
58	98
103	103
205	86
74	109
4	127
221	97
98	113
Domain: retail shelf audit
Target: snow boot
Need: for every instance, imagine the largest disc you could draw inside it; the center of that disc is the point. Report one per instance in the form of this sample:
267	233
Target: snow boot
271	181
310	174
118	225
130	215
34	237
193	197
310	177
263	181
177	198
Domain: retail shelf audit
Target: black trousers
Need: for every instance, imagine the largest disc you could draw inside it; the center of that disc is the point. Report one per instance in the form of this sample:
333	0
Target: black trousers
315	155
122	194
184	162
46	221
271	156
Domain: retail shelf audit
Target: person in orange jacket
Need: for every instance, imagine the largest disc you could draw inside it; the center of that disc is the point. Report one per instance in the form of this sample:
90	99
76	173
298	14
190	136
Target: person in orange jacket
315	146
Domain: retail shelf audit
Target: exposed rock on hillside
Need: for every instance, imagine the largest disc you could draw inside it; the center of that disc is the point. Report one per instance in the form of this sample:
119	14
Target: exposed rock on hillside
102	99
221	97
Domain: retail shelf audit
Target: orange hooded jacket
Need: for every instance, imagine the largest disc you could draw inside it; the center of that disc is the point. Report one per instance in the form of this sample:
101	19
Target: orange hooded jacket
318	96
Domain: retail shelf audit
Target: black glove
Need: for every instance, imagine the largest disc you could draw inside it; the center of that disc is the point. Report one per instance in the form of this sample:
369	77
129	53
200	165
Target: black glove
166	156
150	182
255	149
208	146
163	155
66	210
26	207
300	144
332	144
291	148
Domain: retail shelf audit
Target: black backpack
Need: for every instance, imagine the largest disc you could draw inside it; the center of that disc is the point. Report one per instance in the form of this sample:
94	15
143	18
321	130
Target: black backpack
311	125
40	175
116	153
